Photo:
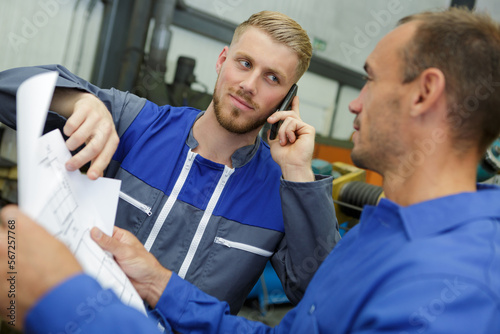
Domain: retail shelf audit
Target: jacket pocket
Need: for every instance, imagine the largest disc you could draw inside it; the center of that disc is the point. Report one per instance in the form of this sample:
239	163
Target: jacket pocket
132	201
243	247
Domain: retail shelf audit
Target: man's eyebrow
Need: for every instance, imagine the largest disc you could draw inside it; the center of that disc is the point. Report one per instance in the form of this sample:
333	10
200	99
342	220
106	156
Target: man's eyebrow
279	73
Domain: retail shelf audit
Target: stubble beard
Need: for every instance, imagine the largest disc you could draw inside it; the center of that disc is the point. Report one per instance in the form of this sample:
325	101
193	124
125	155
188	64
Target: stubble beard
385	147
230	121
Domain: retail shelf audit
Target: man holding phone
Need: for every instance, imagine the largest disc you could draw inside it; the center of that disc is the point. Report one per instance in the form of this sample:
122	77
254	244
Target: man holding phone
200	189
424	260
285	105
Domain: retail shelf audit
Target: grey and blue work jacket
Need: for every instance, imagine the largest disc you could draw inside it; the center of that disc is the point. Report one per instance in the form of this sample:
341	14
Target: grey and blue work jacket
215	226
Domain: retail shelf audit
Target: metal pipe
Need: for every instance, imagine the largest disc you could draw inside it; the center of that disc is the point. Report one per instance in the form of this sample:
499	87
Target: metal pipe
136	41
84	34
160	40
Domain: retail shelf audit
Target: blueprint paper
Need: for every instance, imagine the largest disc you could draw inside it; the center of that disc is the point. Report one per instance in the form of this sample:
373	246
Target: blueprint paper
65	203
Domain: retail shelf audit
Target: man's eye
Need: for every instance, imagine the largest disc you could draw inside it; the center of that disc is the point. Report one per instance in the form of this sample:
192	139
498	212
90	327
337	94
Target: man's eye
273	78
366	78
245	63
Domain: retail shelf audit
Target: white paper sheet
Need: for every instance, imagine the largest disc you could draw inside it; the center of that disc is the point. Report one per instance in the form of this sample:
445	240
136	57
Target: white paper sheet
67	204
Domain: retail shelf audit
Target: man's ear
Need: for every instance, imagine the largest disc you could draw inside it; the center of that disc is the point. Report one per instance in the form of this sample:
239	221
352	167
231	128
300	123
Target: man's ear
429	91
222	58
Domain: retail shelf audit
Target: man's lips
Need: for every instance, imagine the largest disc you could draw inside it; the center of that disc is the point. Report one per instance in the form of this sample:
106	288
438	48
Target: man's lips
356	124
241	103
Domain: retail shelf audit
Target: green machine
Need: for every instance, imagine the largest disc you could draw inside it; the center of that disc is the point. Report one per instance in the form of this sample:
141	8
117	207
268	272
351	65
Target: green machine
490	163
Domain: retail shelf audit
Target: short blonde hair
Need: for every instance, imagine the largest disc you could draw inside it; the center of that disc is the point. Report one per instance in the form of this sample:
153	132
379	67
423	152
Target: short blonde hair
284	30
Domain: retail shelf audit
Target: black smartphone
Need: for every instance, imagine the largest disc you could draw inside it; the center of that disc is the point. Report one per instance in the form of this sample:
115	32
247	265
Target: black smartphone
285	105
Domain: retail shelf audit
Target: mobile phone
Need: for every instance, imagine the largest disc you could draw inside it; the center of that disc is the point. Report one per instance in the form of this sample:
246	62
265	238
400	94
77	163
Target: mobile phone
285	105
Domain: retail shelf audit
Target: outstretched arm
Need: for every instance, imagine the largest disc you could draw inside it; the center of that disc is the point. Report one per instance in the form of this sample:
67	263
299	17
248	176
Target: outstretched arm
91	113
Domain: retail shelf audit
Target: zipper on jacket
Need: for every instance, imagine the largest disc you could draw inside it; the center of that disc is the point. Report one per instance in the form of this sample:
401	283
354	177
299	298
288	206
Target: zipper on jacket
204	221
132	201
241	246
171	200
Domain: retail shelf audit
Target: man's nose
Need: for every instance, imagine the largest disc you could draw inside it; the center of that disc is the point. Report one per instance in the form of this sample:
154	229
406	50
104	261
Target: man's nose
249	84
356	105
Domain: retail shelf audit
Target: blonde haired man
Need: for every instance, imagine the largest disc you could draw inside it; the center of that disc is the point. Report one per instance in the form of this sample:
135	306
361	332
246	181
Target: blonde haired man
425	260
199	188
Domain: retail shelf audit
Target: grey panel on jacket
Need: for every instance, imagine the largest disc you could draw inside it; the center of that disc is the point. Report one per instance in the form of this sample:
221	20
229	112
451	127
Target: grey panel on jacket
209	269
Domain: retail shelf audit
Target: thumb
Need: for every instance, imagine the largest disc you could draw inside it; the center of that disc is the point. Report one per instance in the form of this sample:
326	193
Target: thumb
106	242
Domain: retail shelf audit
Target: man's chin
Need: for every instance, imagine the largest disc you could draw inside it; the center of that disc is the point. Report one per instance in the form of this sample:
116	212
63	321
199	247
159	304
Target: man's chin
359	159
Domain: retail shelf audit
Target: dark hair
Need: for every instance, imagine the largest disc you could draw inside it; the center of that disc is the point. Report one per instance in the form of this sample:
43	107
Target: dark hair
465	46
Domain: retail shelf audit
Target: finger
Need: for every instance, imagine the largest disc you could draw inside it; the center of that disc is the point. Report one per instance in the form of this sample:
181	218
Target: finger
281	115
101	162
82	135
73	123
286	132
99	148
295	105
89	127
290	135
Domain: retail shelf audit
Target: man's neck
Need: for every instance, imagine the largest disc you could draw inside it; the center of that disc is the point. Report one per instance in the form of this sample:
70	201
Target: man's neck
216	143
438	178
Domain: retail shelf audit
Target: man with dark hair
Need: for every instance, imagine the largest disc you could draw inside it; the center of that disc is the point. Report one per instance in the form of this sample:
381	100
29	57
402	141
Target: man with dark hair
425	260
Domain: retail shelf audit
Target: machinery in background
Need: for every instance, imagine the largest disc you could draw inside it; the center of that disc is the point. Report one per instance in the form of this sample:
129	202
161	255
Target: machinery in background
489	165
142	69
8	166
351	193
179	92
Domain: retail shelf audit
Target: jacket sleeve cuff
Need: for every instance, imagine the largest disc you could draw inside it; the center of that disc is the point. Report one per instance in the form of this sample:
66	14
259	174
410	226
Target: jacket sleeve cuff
320	181
174	299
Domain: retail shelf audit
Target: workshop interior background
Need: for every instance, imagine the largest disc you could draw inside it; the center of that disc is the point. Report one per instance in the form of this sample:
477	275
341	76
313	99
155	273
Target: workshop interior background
109	43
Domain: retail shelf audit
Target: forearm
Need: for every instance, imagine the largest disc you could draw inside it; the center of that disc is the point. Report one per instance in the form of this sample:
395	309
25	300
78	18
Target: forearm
311	232
65	99
80	304
156	287
67	84
298	173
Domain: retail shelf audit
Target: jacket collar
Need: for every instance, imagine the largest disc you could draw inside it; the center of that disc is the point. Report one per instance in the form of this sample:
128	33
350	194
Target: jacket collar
438	215
240	157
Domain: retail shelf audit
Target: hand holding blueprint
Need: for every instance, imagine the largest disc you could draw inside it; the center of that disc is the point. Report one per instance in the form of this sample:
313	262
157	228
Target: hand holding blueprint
65	203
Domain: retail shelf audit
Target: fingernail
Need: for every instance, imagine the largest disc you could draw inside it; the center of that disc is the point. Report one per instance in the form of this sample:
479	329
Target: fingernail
70	167
96	233
93	175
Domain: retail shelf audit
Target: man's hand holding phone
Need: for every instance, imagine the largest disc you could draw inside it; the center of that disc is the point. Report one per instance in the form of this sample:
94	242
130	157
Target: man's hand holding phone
294	144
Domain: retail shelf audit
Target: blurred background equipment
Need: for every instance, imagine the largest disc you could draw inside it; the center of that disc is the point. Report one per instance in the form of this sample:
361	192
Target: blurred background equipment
489	165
